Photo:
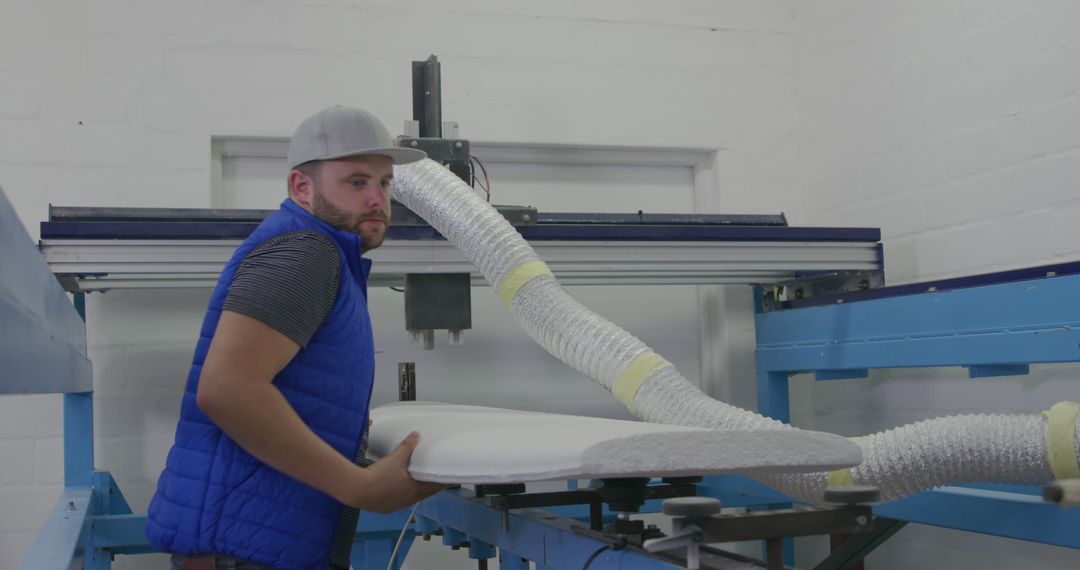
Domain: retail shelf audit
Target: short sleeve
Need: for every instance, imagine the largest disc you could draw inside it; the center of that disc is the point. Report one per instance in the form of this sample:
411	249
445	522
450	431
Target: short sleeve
289	282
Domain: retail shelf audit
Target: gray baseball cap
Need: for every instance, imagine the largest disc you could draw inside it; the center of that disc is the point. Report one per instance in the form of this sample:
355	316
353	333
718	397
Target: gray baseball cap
340	132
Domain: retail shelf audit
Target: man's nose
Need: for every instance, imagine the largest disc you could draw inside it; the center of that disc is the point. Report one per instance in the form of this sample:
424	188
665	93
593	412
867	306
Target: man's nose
375	198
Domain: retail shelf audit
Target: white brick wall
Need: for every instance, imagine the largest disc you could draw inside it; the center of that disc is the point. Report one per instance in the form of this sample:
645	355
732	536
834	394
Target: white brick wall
955	127
947	125
18	465
49	461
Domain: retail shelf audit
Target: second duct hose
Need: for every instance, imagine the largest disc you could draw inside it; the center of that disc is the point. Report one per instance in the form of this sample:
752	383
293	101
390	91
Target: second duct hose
900	462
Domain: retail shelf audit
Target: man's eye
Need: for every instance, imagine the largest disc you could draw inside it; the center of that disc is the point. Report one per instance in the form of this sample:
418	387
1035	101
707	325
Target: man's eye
357	183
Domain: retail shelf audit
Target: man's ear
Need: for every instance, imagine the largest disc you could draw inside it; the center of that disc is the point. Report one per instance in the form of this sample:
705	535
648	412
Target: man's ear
301	188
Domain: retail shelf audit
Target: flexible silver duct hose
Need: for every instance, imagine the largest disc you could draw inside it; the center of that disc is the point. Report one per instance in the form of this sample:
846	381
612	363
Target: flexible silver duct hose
901	461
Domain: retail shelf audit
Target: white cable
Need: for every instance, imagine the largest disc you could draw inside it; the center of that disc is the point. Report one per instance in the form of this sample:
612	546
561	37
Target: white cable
401	536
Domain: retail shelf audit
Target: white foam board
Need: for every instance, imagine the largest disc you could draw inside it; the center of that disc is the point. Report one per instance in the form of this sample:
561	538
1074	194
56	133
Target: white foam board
474	444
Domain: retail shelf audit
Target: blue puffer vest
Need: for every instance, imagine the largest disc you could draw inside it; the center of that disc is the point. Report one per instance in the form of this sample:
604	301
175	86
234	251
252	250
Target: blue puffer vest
215	498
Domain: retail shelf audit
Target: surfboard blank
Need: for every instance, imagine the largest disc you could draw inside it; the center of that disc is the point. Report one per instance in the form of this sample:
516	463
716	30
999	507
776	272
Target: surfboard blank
474	444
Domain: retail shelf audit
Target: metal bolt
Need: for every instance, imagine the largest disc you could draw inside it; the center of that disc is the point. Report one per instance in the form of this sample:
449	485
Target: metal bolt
458	144
526	217
861	520
414	144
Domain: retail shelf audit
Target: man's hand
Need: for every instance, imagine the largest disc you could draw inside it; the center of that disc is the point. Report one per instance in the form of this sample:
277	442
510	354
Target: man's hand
386	486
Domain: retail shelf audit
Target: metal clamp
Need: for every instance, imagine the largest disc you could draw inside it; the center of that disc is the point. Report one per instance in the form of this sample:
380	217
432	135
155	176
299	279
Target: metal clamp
691	538
688	513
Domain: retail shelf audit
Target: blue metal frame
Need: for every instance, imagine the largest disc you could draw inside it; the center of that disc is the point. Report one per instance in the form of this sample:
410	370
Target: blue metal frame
996	328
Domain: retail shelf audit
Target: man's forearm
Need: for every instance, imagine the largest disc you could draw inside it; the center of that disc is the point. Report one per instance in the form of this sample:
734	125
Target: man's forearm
260	420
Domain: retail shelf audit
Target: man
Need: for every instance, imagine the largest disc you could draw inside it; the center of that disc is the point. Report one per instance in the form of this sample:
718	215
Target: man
262	471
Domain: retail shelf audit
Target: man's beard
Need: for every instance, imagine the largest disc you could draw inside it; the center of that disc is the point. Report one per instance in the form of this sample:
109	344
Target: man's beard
341	220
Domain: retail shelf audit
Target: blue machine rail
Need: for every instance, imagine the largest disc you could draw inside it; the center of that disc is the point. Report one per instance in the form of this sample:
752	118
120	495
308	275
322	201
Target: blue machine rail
59	544
1011	323
1006	514
993	324
997	278
42	338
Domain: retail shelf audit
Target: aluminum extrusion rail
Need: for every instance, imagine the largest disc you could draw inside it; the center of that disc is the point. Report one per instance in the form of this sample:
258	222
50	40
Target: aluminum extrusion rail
103	255
90	265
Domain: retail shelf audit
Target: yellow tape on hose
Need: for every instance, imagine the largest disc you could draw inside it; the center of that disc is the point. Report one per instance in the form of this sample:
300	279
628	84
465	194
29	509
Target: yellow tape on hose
841	477
628	383
1061	439
517	277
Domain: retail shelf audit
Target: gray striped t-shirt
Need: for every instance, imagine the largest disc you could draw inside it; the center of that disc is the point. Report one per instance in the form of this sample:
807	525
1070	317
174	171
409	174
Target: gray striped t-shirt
289	282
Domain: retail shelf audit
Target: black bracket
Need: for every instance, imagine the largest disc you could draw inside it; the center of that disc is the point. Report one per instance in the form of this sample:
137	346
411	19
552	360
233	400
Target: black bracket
819	285
592	497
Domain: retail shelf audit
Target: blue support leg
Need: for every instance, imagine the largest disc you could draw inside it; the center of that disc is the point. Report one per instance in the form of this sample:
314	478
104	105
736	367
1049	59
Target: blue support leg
453	537
480	550
107	500
772	393
403	550
78	439
772	390
110	500
425	526
511	561
372	553
79	428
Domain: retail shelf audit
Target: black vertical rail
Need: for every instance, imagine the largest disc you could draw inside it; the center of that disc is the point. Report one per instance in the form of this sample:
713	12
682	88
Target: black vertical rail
407	381
427	97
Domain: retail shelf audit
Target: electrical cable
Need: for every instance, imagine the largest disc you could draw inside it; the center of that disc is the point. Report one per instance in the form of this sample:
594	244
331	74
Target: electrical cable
476	181
487	181
591	558
401	537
